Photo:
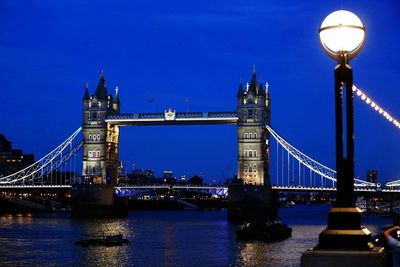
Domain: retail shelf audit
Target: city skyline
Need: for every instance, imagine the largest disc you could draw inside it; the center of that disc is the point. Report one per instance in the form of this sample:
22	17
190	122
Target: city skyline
192	57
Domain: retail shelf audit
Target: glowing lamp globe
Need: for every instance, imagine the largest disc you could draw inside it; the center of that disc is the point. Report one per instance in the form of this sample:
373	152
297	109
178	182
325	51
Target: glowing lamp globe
342	33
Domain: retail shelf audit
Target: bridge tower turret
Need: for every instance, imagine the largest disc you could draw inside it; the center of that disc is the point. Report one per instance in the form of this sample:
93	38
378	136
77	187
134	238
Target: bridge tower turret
116	103
100	141
253	139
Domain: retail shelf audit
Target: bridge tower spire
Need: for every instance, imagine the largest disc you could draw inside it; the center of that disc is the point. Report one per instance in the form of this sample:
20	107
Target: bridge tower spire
253	111
86	94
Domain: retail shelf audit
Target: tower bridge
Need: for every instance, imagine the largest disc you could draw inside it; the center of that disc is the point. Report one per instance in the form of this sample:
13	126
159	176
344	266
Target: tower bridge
102	121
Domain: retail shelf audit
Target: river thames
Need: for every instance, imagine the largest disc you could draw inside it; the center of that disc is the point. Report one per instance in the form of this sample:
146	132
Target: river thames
159	238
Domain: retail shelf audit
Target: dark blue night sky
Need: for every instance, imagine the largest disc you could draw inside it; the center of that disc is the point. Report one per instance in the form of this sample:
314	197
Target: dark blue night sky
170	50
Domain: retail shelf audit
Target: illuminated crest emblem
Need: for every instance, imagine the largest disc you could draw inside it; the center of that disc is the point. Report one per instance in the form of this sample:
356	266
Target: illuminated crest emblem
169	115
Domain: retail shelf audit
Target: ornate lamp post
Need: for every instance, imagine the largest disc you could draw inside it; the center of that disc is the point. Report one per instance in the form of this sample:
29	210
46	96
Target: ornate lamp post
345	242
342	36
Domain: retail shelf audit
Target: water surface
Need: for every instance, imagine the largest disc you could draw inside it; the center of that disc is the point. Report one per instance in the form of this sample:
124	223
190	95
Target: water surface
158	238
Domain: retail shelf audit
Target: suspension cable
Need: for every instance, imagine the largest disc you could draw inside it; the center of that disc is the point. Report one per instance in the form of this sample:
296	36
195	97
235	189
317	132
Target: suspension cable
310	163
40	167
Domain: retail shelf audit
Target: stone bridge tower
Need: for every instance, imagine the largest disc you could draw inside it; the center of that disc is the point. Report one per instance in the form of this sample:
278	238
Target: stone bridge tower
100	141
253	109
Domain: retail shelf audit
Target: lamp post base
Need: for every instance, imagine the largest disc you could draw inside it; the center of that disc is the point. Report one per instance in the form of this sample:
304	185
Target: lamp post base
345	242
344	230
375	257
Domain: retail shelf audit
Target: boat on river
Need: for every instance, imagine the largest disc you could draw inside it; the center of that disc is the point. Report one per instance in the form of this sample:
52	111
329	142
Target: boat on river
264	231
108	241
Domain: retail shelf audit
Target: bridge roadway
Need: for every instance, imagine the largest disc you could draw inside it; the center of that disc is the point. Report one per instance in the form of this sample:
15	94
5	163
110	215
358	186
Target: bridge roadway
205	187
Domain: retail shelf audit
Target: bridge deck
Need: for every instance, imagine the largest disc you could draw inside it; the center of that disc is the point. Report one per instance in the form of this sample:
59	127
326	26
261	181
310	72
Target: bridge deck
205	187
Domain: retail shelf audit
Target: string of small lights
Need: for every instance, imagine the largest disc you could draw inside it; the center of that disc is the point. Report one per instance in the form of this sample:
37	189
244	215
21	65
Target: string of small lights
375	106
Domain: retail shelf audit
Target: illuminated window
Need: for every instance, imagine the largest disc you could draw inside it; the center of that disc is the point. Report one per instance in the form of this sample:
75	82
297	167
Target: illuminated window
90	137
98	137
250	153
94	154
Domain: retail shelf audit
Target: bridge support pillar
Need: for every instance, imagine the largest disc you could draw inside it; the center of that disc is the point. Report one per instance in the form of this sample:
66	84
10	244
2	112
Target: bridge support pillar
251	203
97	201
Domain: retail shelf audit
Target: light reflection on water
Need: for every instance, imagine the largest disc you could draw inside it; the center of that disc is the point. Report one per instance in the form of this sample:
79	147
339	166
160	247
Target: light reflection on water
158	238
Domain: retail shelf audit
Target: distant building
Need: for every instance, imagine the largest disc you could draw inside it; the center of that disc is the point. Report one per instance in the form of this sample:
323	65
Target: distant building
372	176
168	177
121	167
168	174
121	172
149	173
12	160
140	176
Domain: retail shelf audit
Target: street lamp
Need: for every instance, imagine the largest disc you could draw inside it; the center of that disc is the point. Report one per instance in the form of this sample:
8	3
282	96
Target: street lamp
342	36
342	32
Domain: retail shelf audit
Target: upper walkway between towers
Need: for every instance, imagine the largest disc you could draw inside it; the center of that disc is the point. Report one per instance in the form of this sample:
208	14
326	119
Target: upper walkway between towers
171	117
